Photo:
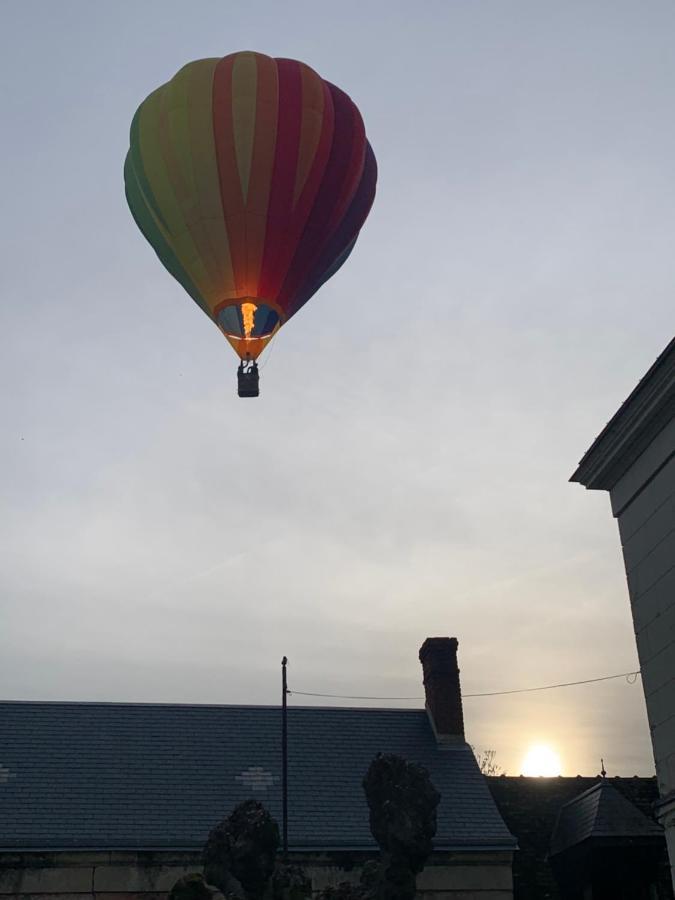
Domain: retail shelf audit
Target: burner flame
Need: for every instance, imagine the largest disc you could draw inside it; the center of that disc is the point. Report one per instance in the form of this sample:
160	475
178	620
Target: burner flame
248	311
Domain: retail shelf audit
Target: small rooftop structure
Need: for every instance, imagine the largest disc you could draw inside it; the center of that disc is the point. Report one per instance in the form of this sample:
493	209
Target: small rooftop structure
602	813
578	833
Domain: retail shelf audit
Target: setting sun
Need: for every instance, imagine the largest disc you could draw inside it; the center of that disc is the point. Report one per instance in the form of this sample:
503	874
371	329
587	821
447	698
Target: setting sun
540	759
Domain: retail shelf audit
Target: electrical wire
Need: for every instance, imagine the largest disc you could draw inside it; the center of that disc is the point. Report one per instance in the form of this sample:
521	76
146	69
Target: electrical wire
545	687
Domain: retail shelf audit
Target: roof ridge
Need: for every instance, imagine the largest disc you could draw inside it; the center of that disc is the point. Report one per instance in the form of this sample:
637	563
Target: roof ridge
617	797
594	787
176	704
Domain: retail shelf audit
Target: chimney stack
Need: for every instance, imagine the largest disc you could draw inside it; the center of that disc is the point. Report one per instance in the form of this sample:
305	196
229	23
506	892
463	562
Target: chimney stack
438	656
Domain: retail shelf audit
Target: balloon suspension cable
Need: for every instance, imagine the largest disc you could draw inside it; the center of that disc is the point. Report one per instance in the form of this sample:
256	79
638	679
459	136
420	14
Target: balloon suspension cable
248	378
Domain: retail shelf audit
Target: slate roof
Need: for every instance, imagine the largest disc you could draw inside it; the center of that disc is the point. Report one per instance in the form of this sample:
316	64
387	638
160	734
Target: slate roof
154	776
600	812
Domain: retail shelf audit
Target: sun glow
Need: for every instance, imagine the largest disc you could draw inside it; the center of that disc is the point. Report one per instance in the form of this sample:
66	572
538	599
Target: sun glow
541	759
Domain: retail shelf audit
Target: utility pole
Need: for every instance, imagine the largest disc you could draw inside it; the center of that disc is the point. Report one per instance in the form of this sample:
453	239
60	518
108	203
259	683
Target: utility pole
284	757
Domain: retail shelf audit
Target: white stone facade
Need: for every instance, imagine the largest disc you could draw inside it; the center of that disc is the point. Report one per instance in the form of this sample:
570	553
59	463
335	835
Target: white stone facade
647	528
634	459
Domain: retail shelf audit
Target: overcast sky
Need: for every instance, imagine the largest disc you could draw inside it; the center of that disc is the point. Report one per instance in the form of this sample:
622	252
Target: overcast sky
405	471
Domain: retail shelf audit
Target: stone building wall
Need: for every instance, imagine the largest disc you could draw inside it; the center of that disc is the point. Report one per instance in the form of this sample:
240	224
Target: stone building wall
145	875
634	459
644	503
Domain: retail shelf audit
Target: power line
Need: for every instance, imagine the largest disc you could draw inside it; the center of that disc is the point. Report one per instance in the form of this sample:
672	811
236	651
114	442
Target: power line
545	687
548	687
350	696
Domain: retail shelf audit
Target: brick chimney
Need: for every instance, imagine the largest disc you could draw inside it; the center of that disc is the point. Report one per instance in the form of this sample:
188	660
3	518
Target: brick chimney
438	656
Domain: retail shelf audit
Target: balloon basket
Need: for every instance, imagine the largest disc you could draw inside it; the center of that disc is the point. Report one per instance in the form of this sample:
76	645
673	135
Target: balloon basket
248	379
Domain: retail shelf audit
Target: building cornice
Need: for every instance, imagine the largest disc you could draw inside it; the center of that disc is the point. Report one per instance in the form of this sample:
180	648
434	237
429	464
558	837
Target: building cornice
648	409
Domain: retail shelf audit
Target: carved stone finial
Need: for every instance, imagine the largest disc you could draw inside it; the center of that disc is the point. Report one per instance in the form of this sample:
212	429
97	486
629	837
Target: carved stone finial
239	854
402	803
193	887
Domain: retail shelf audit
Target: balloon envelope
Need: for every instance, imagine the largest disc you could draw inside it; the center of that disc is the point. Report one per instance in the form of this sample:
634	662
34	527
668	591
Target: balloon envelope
251	178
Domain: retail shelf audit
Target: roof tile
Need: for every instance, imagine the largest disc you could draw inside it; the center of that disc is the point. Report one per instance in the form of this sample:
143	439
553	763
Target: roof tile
114	776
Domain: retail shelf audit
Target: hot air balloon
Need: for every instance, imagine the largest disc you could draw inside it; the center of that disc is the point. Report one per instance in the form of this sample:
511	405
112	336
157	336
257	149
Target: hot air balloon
250	177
